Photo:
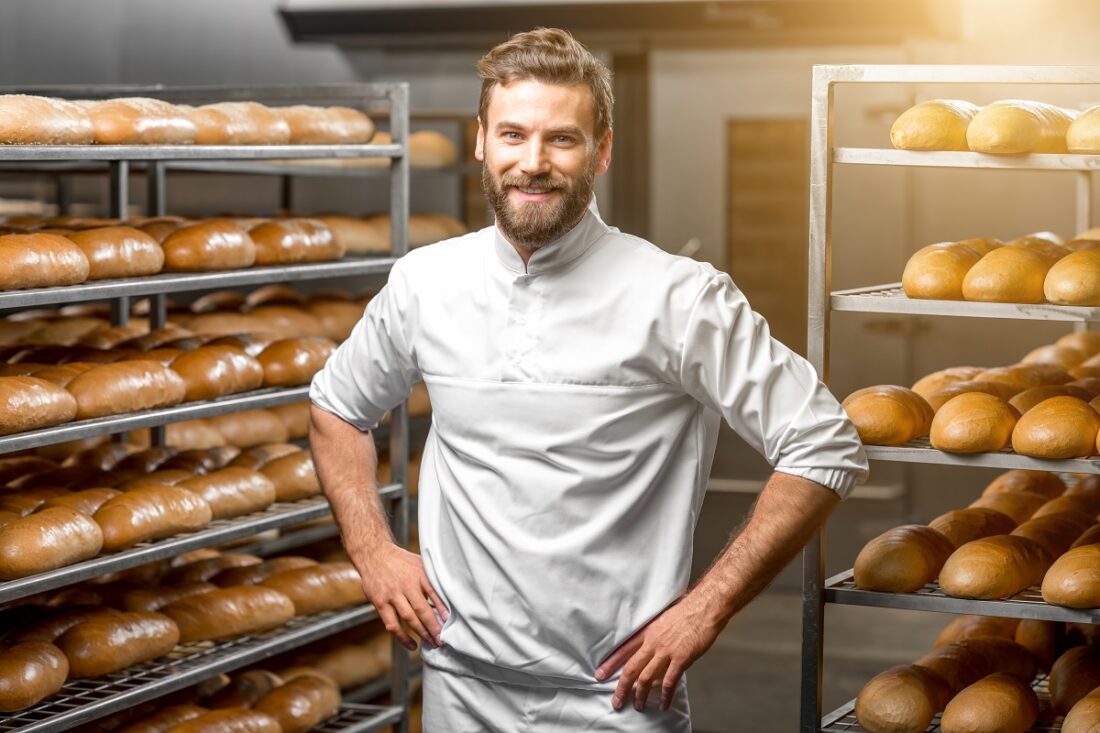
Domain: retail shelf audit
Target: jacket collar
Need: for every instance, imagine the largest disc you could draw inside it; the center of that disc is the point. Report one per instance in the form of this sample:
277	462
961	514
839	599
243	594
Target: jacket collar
556	254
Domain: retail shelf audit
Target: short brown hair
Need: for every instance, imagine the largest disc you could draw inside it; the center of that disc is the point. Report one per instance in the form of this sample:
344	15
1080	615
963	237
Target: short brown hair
549	55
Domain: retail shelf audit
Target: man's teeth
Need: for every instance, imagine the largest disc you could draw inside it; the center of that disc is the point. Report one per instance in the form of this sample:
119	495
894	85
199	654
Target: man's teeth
534	190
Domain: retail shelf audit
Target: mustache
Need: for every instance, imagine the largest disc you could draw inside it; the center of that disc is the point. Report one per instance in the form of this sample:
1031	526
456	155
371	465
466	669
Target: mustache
542	183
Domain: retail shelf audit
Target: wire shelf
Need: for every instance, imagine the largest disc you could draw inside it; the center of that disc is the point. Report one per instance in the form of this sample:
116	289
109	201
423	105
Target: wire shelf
354	718
946	159
81	701
841	589
195	152
890	298
921	451
306	168
843	719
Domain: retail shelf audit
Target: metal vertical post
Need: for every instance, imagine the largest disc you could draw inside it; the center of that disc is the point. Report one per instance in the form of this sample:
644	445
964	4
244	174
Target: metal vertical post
120	188
817	348
286	195
156	204
399	427
1083	220
63	194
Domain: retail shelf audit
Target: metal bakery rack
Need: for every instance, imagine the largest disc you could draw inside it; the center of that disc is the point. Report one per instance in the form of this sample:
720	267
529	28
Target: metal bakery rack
888	298
81	701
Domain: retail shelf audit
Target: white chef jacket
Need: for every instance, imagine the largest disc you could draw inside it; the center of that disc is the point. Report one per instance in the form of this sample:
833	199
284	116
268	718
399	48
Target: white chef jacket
575	408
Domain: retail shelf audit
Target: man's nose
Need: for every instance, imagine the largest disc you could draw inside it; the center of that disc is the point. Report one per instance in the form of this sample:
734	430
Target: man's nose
535	161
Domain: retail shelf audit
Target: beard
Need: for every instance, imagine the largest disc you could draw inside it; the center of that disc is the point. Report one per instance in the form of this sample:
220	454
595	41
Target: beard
534	224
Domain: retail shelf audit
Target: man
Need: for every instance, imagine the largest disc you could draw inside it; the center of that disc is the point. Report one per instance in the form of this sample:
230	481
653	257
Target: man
577	376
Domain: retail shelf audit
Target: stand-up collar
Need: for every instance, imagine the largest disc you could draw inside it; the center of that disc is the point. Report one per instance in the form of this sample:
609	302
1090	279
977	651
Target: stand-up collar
558	253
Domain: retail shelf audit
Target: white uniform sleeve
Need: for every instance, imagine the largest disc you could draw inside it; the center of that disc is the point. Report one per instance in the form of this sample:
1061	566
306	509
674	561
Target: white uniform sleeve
375	368
768	394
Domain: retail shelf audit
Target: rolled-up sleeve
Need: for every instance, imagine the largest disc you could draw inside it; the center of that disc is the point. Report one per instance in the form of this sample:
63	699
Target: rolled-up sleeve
375	368
768	394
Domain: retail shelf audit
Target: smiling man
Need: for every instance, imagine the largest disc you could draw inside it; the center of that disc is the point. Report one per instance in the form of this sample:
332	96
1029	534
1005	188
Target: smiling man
577	376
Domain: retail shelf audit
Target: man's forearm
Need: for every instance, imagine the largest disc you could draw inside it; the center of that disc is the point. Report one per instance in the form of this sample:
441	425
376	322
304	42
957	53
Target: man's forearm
346	462
785	516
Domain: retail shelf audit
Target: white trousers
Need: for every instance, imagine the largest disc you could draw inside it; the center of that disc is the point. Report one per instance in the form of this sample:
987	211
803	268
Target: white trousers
457	703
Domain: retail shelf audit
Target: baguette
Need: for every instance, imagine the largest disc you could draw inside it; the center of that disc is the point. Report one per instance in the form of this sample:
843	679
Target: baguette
50	539
317	588
111	642
29	403
214	371
902	560
30	120
129	386
118	252
290	362
232	492
311	125
215	244
30	672
140	121
149	513
1014	126
229	612
251	123
301	703
293	476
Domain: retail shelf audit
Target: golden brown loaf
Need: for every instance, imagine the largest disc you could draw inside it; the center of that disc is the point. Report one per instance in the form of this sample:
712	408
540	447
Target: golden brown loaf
1044	639
1083	134
257	456
253	574
295	417
1084	716
27	120
1059	427
929	384
301	703
290	362
295	240
215	244
431	149
230	612
936	124
937	271
126	386
352	665
251	123
30	672
973	423
1074	675
1075	279
293	475
1018	506
48	539
40	261
289	320
942	396
999	703
244	690
1026	376
1055	533
56	622
1044	483
326	125
215	371
110	642
1008	275
902	560
994	567
317	588
86	502
211	125
359	236
1015	126
29	403
1029	398
164	719
968	627
966	525
118	252
154	599
200	569
140	121
230	720
250	427
231	492
903	699
1074	579
887	414
149	513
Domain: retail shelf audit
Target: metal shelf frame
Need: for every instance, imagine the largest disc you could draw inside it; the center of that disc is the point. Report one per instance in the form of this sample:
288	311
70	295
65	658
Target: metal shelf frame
824	155
920	451
354	718
82	701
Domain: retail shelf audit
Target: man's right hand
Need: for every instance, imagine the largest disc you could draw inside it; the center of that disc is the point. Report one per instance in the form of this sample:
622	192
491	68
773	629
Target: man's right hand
399	588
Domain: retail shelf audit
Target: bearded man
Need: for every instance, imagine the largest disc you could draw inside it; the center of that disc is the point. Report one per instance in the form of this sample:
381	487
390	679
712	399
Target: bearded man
577	377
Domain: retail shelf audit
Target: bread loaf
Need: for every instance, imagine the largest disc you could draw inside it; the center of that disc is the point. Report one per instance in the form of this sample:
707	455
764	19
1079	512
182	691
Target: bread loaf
1043	639
215	244
1074	279
110	642
287	320
1075	674
214	371
199	434
211	125
888	415
1013	126
118	252
40	261
27	120
431	149
290	362
229	612
25	502
962	663
1008	275
30	672
337	317
966	525
1029	398
318	588
249	428
204	568
56	622
1074	579
1083	133
66	331
146	460
293	476
250	123
150	513
232	492
973	423
102	457
230	720
1074	503
165	719
52	538
936	124
1045	483
970	627
253	574
128	386
86	502
1018	506
994	567
1058	427
201	461
295	240
154	599
140	121
1054	532
245	690
930	384
301	703
257	456
1084	716
999	703
358	236
937	271
295	417
326	125
902	560
29	403
903	699
252	344
942	396
352	665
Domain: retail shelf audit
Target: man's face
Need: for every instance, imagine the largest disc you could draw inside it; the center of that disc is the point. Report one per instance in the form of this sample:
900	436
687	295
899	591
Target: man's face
540	154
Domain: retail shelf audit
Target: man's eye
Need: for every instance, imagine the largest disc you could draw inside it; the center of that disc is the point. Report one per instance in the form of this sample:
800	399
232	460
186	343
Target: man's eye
564	139
511	136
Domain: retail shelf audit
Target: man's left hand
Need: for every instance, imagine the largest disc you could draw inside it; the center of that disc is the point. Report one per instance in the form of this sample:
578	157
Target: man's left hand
660	652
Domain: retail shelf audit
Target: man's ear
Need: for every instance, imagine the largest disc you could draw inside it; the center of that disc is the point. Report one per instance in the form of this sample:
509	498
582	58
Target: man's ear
479	148
603	154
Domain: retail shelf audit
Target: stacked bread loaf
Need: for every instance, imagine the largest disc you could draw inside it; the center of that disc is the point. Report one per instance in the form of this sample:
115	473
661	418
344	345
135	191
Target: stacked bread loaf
426	149
1006	127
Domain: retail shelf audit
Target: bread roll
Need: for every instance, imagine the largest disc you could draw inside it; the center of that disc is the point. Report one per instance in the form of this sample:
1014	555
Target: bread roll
150	513
86	502
295	417
994	567
1074	675
40	261
290	362
118	252
1014	126
52	538
30	672
326	125
295	240
903	699
232	492
229	612
942	396
937	271
293	476
214	371
250	427
998	703
28	120
29	403
215	244
154	599
129	386
230	720
318	588
245	690
111	642
140	121
1059	427
1044	483
358	236
250	123
929	384
902	560
970	627
973	423
1042	638
1008	275
301	703
966	525
936	124
163	720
